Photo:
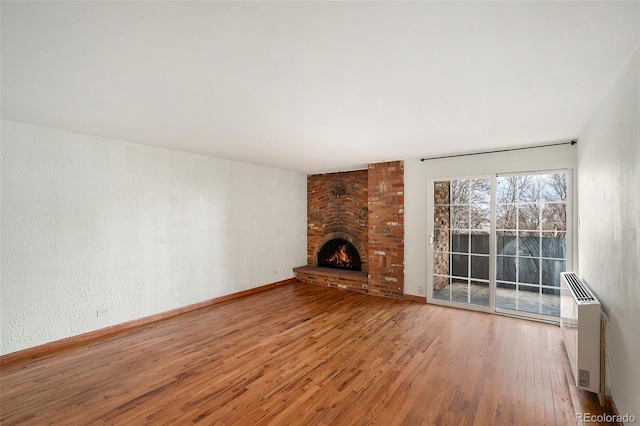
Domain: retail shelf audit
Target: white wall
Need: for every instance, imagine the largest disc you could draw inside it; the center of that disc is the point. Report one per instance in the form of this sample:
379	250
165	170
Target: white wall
416	174
94	224
609	232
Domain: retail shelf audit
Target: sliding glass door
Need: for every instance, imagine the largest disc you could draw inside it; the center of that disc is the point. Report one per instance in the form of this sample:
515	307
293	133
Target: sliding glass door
499	243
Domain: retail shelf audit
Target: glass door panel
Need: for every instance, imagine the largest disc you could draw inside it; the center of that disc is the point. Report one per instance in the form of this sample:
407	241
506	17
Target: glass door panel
531	224
460	241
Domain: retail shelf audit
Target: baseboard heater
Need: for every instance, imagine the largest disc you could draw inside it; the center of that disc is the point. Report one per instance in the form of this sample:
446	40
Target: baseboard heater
580	314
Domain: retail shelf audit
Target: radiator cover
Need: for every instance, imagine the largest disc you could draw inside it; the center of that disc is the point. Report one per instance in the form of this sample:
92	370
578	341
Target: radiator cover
580	317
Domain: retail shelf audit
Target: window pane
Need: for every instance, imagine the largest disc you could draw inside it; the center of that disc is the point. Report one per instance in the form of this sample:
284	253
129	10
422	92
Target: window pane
459	265
551	270
480	242
460	291
506	268
480	217
441	240
460	217
554	187
479	293
529	299
506	295
480	267
441	193
554	244
550	302
480	191
506	189
528	216
460	192
528	188
529	270
529	244
441	263
441	288
459	242
506	243
441	216
554	217
506	216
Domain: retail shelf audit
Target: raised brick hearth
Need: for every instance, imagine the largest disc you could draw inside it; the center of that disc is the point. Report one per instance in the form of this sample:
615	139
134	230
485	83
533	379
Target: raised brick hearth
365	208
336	278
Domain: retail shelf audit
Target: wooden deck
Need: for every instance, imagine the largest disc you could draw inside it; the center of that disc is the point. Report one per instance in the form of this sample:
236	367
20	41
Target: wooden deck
305	355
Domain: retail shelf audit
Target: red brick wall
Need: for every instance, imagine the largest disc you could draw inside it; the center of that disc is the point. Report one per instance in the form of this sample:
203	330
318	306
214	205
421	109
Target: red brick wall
386	229
370	215
343	216
346	281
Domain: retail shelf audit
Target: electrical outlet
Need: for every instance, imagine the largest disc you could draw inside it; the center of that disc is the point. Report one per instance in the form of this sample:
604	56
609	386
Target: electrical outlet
101	312
421	291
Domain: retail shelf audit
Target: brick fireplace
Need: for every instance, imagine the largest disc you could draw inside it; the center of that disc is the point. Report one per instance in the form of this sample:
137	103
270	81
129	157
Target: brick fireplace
359	211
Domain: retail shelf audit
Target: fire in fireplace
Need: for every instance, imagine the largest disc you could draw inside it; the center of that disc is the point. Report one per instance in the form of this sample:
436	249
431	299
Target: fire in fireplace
339	254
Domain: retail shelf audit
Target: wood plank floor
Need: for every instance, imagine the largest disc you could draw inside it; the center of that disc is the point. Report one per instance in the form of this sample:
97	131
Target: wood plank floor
304	355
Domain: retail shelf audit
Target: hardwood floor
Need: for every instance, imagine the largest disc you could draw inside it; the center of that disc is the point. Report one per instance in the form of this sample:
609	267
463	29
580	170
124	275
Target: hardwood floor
307	355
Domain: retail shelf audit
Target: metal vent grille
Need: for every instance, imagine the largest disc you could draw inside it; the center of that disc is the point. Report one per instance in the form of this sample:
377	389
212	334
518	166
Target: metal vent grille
578	289
583	378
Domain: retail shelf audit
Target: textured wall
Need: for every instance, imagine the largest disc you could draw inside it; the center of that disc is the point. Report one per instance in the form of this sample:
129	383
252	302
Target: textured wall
90	224
609	232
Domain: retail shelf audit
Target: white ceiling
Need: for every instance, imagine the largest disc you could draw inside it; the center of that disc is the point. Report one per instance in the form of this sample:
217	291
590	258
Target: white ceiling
315	86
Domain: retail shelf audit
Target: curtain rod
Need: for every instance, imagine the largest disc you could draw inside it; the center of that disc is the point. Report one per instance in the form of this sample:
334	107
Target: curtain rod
573	142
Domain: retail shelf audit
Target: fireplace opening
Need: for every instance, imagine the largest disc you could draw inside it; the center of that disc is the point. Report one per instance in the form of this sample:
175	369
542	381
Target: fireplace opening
339	254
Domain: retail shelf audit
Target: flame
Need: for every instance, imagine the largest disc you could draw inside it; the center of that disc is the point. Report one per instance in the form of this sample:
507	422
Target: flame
340	256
